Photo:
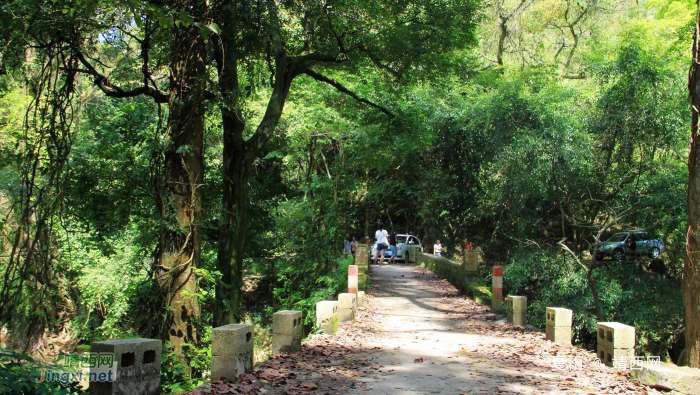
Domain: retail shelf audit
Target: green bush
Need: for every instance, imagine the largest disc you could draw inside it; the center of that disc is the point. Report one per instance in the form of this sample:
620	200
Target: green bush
19	374
177	375
628	295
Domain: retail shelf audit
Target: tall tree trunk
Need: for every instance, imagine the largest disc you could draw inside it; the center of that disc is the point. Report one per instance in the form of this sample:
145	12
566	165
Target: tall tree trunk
238	157
368	207
594	291
233	223
503	26
184	178
691	270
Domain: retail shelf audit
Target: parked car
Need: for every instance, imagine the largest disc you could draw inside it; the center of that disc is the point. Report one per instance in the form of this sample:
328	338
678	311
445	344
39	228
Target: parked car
617	246
406	248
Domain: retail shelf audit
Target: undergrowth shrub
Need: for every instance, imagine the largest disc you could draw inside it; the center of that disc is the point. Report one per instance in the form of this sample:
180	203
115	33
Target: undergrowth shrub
629	294
180	375
19	374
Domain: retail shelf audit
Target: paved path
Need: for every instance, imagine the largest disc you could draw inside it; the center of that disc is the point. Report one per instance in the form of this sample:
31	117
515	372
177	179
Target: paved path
434	341
417	335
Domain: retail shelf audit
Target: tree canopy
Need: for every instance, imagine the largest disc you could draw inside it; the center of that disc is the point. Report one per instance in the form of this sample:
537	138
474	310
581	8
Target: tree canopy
167	167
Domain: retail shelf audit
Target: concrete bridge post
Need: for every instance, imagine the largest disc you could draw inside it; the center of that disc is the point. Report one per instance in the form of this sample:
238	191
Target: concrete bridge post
517	310
559	325
327	316
347	304
362	262
497	288
352	279
286	332
136	367
616	344
231	351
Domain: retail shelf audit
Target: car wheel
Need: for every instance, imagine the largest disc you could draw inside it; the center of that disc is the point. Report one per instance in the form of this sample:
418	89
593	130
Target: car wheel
617	254
655	253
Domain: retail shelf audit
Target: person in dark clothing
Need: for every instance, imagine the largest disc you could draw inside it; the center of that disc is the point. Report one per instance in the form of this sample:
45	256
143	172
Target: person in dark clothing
633	245
392	246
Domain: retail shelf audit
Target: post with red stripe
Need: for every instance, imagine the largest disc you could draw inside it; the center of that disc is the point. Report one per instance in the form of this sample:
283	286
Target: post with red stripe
352	279
497	288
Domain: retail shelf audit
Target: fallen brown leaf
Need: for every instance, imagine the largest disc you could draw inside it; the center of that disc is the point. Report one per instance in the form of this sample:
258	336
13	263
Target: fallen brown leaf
310	386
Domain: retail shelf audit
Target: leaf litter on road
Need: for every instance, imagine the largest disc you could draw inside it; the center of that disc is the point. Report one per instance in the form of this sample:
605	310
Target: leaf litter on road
342	364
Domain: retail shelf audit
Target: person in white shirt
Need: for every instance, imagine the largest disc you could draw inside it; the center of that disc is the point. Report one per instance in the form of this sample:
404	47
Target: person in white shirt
437	249
382	242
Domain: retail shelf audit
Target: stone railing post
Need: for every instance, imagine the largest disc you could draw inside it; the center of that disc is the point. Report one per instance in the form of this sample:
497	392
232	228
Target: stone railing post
616	344
517	310
286	332
497	289
362	262
137	369
471	261
347	304
327	316
231	351
352	279
559	325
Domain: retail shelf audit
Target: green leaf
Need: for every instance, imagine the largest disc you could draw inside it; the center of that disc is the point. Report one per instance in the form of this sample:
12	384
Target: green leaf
186	19
214	28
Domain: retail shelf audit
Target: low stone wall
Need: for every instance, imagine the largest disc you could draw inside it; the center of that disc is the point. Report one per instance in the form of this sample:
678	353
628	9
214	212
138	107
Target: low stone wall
455	272
669	376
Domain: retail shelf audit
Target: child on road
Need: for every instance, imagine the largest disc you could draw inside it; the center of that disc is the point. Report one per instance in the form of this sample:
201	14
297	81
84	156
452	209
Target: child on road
437	249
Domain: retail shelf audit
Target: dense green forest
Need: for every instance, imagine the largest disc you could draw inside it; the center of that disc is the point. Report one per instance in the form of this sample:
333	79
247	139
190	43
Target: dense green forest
166	168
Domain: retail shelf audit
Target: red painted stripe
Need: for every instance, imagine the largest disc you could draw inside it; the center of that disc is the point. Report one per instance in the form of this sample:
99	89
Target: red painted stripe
352	290
498	271
352	270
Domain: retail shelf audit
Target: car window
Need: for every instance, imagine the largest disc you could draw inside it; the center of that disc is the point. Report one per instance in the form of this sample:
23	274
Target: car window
400	239
641	236
618	237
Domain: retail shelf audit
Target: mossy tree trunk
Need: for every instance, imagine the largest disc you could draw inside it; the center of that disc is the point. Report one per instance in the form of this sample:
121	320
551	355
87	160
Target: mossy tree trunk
691	271
181	196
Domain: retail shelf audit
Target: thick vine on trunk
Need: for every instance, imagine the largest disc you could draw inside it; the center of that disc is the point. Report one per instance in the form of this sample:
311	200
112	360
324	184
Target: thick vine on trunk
183	190
691	271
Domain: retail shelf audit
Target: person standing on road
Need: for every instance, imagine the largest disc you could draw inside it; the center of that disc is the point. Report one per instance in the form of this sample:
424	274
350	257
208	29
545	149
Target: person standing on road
392	246
346	246
437	248
353	245
382	242
632	250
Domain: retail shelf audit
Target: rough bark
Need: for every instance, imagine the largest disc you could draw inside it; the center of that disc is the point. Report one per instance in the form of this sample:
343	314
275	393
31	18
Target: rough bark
691	270
238	157
594	291
183	190
503	27
233	220
239	154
